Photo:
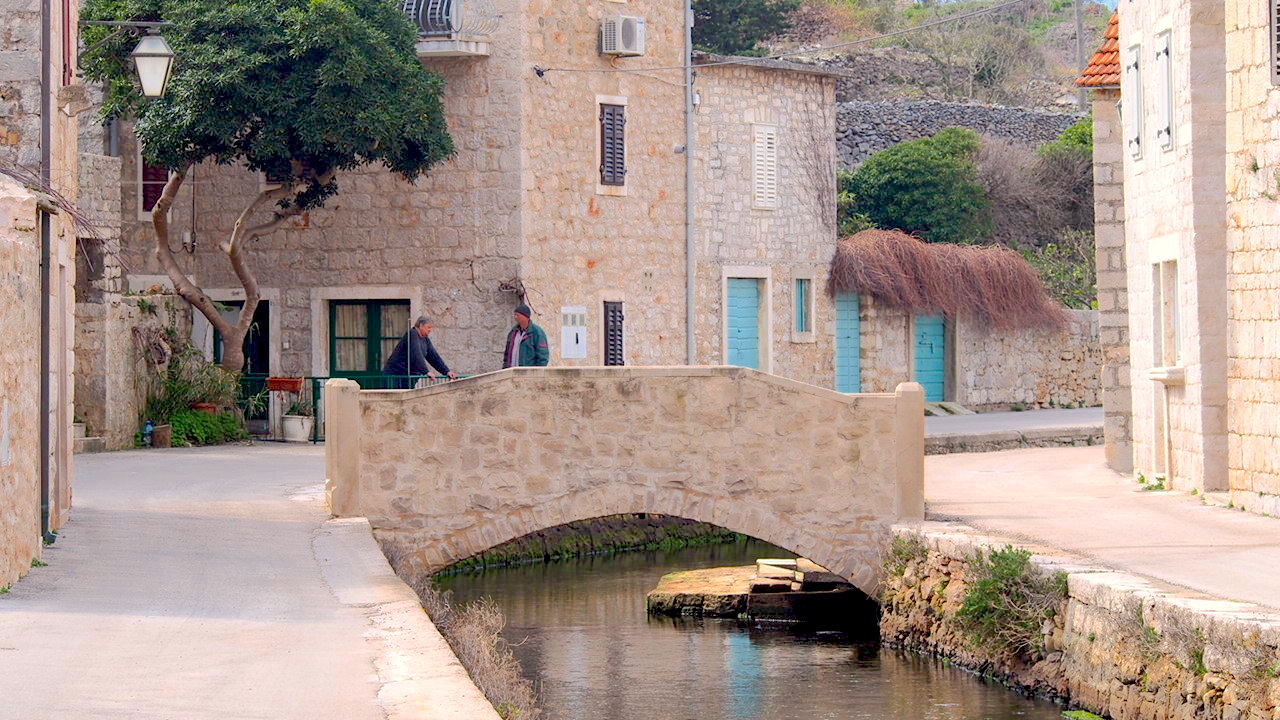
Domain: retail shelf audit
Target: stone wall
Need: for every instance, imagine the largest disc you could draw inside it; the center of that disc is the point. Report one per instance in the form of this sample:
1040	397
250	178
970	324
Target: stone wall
1113	279
1117	645
1253	220
779	245
446	472
1032	368
19	382
990	369
864	128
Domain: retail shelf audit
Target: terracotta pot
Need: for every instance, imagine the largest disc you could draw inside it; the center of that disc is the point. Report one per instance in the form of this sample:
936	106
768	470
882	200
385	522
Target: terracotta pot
205	407
285	384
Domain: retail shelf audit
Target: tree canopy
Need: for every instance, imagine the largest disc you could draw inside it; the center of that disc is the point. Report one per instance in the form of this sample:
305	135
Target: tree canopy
293	88
736	27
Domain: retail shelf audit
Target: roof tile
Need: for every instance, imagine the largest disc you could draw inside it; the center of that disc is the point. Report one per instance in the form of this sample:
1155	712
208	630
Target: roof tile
1103	70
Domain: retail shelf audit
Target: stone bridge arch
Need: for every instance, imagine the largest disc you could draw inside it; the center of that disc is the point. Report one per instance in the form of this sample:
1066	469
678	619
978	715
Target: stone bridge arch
446	472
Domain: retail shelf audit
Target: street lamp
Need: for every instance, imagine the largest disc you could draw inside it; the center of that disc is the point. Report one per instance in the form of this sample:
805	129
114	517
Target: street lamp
153	57
154	60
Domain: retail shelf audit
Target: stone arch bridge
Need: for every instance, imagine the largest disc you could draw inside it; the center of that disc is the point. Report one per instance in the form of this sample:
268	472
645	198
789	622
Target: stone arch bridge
446	472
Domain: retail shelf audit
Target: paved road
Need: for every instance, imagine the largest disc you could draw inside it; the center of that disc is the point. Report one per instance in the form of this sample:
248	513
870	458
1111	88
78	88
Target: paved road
1012	421
196	584
1066	498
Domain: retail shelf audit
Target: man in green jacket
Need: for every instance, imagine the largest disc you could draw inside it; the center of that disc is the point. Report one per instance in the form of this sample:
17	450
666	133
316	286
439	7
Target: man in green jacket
526	343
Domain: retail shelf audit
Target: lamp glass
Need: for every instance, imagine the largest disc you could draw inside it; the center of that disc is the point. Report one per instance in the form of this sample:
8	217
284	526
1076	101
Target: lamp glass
154	60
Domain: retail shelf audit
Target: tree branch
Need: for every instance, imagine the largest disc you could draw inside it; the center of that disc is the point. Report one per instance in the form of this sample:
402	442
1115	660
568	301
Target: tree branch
186	289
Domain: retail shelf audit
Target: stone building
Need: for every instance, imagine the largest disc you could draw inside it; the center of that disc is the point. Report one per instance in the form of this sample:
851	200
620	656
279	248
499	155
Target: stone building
526	209
1198	99
39	99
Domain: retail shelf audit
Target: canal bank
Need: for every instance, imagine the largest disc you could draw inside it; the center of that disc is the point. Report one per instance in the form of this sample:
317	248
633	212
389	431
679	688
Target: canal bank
1113	643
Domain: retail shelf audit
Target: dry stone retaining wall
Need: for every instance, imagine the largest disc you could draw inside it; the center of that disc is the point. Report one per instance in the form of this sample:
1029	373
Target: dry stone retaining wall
1118	645
864	128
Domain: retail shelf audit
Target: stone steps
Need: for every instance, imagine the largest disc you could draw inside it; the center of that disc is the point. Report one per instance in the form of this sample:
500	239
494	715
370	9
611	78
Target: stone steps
88	445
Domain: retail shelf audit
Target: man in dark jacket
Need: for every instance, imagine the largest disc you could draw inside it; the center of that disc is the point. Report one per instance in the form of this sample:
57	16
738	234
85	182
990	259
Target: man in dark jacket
526	343
415	355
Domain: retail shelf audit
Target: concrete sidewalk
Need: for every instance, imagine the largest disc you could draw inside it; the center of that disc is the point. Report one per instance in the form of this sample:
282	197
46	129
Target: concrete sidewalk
1066	498
986	432
208	583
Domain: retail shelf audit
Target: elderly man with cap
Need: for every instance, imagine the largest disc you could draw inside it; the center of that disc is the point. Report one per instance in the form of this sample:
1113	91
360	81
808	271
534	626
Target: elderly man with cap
415	355
526	343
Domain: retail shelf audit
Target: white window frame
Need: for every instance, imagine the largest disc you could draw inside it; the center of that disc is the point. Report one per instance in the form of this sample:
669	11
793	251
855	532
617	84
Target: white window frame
764	166
1164	89
601	188
1133	105
143	215
765	276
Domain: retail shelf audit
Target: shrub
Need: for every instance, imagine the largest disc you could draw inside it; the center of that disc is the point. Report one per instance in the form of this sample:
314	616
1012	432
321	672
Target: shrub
1068	269
192	427
189	378
927	187
736	27
1008	602
1077	137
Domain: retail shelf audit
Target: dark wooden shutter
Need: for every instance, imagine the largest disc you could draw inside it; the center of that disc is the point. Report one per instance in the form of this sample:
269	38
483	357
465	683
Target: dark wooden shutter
613	156
1275	41
613	345
153	182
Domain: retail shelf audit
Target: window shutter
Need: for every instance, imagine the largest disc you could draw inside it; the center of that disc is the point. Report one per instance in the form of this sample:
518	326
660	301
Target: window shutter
802	305
613	334
153	182
1274	11
613	155
764	160
1133	105
1164	91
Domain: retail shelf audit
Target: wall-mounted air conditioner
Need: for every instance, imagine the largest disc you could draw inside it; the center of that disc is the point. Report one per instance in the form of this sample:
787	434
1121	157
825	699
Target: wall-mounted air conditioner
622	35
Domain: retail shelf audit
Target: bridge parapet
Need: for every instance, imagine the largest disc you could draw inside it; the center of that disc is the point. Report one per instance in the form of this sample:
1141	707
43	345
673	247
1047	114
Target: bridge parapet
448	471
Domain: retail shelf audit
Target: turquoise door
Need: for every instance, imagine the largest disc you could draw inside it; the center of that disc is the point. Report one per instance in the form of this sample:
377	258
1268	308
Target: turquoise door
931	356
848	344
744	322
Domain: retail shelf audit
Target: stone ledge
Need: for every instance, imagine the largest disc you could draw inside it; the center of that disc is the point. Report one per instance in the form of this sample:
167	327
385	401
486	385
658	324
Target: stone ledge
1067	436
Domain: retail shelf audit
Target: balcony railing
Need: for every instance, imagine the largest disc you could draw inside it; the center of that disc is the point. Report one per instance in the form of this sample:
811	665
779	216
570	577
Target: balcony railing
453	27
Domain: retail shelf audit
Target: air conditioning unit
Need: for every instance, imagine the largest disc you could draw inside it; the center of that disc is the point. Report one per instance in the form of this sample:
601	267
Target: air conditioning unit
622	35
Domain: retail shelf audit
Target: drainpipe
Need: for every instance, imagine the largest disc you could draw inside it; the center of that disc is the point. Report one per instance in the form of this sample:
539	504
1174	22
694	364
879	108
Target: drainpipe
690	265
46	221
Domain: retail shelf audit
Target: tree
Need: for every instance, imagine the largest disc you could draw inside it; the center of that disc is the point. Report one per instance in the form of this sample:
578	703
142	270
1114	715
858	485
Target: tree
298	89
736	27
928	187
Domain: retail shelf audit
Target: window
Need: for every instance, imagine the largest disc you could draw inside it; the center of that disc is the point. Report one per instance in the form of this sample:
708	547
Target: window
614	343
152	179
1166	339
362	333
1132	93
613	147
803	305
1274	12
257	351
764	166
1164	91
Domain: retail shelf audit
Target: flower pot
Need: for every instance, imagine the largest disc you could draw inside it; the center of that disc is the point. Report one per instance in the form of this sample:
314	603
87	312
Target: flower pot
162	436
297	428
205	407
285	384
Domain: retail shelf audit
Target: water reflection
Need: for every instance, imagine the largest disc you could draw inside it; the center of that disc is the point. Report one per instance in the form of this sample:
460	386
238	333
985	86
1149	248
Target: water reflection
582	634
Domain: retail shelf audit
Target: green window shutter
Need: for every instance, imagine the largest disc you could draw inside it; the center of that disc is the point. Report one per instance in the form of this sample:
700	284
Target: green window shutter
802	304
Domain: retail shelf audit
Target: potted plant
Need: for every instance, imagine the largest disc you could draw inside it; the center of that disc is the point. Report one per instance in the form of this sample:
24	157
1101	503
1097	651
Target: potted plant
298	420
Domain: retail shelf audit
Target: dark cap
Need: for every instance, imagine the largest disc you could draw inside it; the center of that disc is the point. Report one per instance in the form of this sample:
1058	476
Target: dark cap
524	310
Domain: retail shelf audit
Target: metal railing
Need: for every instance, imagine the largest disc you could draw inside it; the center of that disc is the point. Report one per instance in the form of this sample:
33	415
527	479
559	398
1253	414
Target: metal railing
265	423
452	18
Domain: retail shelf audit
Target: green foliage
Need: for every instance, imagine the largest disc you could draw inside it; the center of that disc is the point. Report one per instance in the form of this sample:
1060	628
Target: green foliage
904	549
1008	602
193	427
301	405
851	221
1068	268
927	187
189	378
296	88
38	563
737	27
1077	138
4	589
1080	715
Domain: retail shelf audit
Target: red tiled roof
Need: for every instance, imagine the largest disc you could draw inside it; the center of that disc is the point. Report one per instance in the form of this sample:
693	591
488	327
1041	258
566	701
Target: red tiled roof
1103	70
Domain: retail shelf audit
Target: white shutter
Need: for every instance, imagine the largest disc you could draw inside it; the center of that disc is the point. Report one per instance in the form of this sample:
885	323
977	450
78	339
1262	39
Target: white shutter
1164	91
764	164
1133	105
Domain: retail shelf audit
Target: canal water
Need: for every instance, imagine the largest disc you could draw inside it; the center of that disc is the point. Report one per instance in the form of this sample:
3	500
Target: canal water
580	631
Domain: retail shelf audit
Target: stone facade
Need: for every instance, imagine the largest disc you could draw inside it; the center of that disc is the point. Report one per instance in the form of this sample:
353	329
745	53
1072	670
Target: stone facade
1113	278
867	127
1253	285
1174	203
446	472
989	369
779	244
1117	645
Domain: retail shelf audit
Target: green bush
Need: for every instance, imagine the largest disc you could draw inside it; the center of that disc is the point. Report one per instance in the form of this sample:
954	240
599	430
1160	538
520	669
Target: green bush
1068	268
1078	137
929	187
1008	601
736	27
189	378
192	427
